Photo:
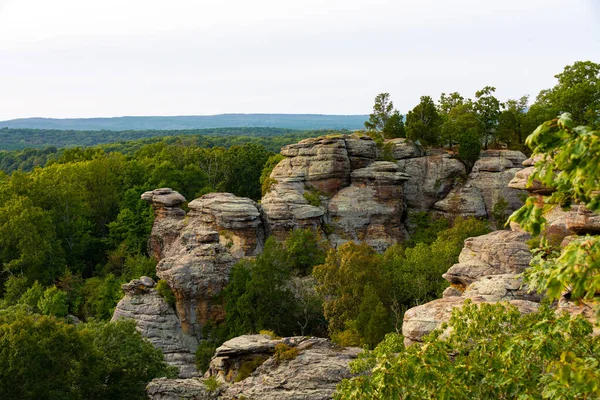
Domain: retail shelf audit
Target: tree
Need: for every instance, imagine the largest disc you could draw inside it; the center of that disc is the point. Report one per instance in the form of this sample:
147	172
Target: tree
487	108
258	295
511	121
384	119
577	92
458	122
423	122
342	281
449	101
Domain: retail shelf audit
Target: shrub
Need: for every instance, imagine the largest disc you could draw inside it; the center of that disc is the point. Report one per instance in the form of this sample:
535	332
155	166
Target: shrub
283	352
211	384
164	291
248	367
312	197
204	353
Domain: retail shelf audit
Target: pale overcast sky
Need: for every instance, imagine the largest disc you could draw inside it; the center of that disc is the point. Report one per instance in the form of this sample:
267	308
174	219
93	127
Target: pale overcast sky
87	58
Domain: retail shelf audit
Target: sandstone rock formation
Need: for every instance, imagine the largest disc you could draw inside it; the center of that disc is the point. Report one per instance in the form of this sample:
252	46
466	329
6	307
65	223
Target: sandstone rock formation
422	320
486	273
197	270
168	219
464	200
312	373
335	184
499	252
157	322
431	178
236	219
370	209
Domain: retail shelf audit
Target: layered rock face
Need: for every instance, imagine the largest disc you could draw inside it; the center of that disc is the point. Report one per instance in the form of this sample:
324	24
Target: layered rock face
312	372
157	322
370	209
197	270
236	219
486	186
335	184
487	272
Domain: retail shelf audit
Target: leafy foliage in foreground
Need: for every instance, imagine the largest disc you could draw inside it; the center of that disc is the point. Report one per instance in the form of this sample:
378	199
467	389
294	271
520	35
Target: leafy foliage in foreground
44	358
570	167
492	352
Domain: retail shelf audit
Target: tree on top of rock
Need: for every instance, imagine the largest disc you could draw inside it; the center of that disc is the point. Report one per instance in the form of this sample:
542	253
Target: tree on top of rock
423	122
487	109
385	120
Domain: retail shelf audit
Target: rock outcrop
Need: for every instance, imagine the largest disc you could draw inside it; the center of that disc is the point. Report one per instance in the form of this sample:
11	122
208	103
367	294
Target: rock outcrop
168	220
335	184
370	209
487	272
236	219
312	370
499	252
431	179
157	322
422	320
197	270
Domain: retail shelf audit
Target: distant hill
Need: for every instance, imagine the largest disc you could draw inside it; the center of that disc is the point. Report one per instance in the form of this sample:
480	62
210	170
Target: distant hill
289	121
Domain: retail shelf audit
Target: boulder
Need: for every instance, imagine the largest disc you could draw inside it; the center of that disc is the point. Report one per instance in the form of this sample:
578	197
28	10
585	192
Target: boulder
370	209
197	270
168	220
499	252
582	220
236	219
422	320
521	182
465	201
431	178
492	164
157	322
404	148
362	151
514	156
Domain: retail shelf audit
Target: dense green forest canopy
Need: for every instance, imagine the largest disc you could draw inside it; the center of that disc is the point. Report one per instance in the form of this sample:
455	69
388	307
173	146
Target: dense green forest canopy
21	138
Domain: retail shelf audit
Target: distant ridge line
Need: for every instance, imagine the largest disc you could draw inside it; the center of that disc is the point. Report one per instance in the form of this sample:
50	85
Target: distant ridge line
233	120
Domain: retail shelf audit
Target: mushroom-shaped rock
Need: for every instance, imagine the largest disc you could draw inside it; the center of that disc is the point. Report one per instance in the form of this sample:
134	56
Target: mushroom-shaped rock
514	156
404	148
168	220
492	164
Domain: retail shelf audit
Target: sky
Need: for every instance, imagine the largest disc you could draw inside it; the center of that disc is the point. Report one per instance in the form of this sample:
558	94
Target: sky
89	58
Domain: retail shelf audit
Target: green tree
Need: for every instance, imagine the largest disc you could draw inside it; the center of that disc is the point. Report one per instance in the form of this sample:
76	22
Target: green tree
460	120
577	92
510	122
385	120
258	295
423	122
487	108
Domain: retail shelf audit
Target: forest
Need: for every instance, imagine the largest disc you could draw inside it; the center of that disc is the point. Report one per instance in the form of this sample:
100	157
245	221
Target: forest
73	230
